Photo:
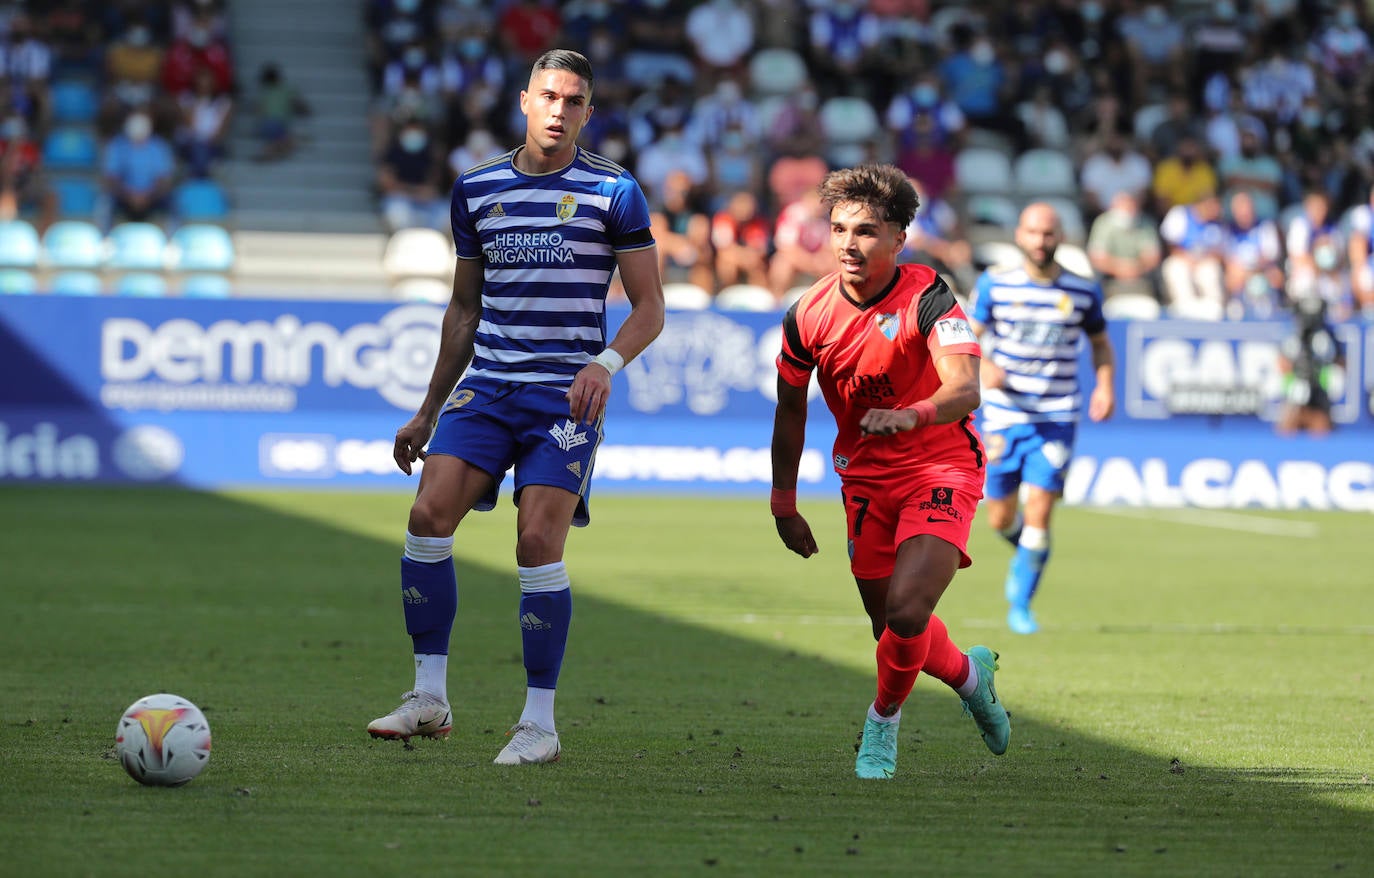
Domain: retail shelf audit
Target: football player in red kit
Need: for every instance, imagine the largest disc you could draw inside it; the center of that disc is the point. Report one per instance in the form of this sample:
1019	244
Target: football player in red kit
898	366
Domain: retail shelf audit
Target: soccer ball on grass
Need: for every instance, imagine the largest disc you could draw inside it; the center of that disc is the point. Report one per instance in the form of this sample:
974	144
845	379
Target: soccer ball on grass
163	740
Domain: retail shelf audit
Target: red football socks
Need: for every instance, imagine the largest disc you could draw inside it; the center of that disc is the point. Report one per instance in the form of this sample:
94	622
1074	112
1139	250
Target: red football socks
900	659
945	661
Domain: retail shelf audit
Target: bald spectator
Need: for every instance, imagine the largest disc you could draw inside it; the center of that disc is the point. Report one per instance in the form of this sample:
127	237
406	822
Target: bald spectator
1123	247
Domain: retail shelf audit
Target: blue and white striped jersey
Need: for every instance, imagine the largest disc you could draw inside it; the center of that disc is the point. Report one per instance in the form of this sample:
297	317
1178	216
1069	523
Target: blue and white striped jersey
1037	331
548	244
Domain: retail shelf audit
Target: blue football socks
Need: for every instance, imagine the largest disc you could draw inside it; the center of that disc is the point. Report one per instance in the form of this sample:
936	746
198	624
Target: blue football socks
1027	565
545	612
429	592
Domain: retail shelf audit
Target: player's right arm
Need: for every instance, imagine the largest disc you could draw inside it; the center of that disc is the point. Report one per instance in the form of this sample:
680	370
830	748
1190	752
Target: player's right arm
455	352
795	364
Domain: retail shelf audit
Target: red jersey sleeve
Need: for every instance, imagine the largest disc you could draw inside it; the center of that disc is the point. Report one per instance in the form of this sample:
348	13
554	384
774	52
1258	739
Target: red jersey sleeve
795	362
944	324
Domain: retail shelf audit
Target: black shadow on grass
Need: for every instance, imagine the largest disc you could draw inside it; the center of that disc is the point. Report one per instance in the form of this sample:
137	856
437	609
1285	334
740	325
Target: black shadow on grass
687	750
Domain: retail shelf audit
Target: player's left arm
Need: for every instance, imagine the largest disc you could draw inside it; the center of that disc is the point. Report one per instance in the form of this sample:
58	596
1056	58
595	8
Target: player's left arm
644	288
1103	400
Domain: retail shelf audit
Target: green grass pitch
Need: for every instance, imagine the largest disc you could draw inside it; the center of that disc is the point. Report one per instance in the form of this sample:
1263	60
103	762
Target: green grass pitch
1198	702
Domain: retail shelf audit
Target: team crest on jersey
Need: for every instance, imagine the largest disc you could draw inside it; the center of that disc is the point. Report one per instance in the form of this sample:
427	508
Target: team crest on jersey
1065	304
567	206
889	325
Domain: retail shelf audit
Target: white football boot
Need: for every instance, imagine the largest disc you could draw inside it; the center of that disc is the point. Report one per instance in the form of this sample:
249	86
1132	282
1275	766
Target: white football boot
528	744
420	715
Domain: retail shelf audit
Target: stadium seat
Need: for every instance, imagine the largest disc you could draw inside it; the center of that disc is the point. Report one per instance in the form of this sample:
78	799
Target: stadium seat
76	196
848	124
1147	119
685	297
19	244
73	100
998	254
73	244
141	283
985	208
746	297
138	247
76	283
17	282
981	169
70	148
200	201
1131	306
1075	259
1070	218
206	286
418	253
777	71
989	139
422	289
1041	172
201	247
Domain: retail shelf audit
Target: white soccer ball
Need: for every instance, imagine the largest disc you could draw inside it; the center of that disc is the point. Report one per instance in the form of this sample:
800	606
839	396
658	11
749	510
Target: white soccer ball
163	740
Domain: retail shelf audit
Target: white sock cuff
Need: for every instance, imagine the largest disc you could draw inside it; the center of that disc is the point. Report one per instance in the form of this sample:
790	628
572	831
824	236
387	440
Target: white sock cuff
428	550
1034	538
545	577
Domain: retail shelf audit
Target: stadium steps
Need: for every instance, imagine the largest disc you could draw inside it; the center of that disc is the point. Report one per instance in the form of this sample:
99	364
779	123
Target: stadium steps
327	185
304	264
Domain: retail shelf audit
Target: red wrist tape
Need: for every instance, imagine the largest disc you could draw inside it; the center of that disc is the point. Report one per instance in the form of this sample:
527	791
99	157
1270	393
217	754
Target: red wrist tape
925	412
783	503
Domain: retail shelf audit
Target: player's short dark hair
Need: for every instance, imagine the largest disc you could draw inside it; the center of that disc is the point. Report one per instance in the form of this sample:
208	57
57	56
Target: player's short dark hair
883	189
565	59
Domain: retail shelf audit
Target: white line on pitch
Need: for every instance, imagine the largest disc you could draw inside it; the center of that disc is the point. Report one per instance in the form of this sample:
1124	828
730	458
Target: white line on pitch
1276	527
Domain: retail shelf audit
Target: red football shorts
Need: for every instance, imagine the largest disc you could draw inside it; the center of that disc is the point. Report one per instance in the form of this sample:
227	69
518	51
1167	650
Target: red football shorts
881	515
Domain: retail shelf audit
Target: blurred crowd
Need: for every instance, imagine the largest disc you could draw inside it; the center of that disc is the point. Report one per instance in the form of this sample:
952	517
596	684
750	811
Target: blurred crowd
1220	154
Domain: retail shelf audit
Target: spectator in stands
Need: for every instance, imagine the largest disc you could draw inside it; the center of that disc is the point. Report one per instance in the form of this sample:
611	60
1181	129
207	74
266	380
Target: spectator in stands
734	163
1225	123
1219	42
459	20
924	97
133	67
471	71
1317	253
929	159
1344	47
187	15
26	60
279	105
794	129
725	107
1045	124
1179	123
1254	171
1123	247
138	171
801	244
410	180
204	124
1156	43
1117	167
527	29
657	41
1252	262
411	100
1360	252
682	232
23	186
1183	177
1277	86
1192	273
75	35
739	237
668	104
198	49
671	151
842	45
721	33
935	238
479	146
392	25
976	79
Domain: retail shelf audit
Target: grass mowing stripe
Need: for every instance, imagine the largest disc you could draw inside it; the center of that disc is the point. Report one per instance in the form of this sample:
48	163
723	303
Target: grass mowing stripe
692	747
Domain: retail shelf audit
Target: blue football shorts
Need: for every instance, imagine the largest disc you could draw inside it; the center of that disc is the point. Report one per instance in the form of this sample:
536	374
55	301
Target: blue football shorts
497	425
1037	454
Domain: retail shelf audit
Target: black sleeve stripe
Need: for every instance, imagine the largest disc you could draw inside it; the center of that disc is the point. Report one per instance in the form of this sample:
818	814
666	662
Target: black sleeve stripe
935	303
638	238
794	341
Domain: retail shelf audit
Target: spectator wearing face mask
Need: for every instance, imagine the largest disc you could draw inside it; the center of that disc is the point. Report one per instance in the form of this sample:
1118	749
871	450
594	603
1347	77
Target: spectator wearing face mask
843	43
1123	247
1344	46
1317	252
924	97
137	171
133	67
198	49
415	96
391	26
409	180
976	80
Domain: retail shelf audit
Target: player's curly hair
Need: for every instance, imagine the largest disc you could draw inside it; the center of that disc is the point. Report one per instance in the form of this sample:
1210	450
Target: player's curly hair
883	189
564	59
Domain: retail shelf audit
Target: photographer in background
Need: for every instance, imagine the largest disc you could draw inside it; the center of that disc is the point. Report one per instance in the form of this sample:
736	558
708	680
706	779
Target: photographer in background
1306	358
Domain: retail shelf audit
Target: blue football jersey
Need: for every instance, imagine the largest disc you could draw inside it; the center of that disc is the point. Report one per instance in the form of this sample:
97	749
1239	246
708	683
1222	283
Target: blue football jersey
548	244
1037	330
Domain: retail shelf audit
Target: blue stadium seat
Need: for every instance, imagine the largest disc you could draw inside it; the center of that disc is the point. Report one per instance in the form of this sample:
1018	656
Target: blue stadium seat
206	286
199	201
17	282
141	283
76	196
70	148
138	247
76	283
202	247
73	100
73	244
19	244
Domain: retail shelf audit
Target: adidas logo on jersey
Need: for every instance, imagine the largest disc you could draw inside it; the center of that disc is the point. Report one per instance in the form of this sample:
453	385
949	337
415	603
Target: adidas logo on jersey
531	622
496	211
575	468
412	596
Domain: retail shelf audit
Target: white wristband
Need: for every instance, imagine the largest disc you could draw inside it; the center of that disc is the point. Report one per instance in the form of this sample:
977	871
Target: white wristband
612	361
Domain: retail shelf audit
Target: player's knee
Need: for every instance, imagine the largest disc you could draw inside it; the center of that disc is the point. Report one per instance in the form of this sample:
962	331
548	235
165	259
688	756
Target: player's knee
430	519
536	546
910	619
